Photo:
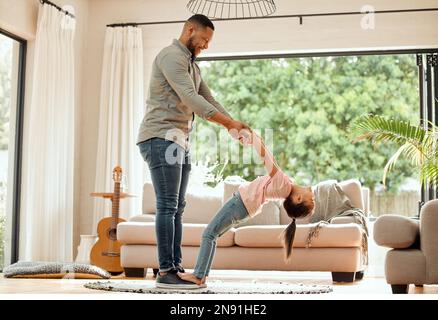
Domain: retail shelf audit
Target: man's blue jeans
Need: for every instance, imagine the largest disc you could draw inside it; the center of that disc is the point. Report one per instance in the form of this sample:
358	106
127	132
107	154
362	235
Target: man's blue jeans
169	165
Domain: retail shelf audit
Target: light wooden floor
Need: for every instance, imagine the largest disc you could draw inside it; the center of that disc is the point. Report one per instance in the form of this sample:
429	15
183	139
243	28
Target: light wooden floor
369	286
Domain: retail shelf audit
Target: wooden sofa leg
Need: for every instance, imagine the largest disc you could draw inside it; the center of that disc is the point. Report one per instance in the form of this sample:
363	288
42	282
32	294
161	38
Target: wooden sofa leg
400	288
135	272
359	275
343	276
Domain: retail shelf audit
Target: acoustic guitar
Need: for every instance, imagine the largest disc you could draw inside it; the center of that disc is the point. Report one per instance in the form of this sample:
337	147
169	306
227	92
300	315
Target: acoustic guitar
106	251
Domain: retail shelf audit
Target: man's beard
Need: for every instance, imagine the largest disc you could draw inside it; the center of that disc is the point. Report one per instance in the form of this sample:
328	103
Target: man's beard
191	48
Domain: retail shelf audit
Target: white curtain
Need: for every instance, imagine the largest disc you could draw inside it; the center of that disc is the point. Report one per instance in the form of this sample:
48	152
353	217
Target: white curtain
46	232
121	108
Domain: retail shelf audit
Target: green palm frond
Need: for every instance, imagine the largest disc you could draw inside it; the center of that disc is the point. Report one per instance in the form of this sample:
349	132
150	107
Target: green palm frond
392	161
417	144
412	153
429	172
380	129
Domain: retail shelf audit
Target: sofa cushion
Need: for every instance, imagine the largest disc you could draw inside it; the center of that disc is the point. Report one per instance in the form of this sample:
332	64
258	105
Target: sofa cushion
149	201
144	233
345	219
331	235
143	218
270	214
353	190
269	259
284	218
231	185
395	231
201	207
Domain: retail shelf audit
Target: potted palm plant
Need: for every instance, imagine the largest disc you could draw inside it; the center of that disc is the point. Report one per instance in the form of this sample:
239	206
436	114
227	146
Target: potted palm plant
417	144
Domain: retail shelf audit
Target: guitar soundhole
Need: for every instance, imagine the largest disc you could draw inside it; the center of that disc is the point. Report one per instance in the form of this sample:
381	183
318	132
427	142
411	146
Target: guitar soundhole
112	234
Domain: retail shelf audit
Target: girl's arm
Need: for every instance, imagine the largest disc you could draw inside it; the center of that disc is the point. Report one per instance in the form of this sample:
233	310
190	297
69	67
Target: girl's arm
266	155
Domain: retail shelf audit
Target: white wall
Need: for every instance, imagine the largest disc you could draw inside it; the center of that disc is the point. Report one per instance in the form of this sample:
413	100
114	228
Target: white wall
20	17
316	34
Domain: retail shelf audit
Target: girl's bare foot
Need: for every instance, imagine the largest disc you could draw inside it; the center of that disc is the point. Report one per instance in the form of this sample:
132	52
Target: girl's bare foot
190	277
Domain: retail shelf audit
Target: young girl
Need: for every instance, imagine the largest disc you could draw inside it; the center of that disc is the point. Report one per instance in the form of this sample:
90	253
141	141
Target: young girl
247	202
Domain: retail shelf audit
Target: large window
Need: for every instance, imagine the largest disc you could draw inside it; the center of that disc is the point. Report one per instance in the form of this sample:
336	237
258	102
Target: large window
12	51
308	104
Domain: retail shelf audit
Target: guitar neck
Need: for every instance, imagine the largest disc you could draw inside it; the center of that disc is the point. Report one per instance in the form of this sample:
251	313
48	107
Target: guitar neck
115	205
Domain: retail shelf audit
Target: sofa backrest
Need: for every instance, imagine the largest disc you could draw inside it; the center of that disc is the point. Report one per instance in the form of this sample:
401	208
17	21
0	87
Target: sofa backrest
366	200
149	201
284	218
270	214
201	207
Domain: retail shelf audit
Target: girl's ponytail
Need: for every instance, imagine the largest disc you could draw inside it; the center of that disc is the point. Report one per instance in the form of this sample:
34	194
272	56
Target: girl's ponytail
288	238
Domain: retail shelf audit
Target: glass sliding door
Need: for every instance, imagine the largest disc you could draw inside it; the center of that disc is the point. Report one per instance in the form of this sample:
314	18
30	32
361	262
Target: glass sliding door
12	53
428	89
308	103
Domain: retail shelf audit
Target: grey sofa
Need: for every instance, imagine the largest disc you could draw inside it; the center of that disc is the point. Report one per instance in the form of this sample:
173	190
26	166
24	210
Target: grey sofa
255	245
413	258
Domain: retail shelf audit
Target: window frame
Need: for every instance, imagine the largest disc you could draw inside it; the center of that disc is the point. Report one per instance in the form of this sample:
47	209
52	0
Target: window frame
18	147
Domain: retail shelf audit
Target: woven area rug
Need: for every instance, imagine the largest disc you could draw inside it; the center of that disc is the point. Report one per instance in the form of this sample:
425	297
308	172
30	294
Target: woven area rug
214	287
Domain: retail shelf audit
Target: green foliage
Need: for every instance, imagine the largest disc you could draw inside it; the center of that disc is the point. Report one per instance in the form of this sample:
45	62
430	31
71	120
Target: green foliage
415	143
309	103
5	89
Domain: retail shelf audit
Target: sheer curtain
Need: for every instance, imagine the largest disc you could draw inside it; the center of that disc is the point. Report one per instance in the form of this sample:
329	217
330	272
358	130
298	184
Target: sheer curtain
46	231
121	108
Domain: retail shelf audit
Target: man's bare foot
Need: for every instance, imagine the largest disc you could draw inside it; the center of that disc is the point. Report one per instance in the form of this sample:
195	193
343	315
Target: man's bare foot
190	277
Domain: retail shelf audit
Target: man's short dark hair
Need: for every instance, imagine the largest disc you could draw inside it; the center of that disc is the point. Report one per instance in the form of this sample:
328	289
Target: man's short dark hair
201	20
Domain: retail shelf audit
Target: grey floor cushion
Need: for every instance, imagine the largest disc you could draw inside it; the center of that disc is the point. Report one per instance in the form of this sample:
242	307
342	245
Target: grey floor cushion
39	269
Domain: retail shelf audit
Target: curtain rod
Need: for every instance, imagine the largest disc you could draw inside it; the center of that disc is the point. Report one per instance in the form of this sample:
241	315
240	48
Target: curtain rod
300	16
57	7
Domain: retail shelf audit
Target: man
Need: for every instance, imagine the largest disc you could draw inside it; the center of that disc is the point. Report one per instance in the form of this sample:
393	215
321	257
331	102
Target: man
176	93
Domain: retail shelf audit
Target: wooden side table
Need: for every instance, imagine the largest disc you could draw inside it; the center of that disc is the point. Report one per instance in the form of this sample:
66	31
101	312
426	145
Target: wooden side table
109	195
